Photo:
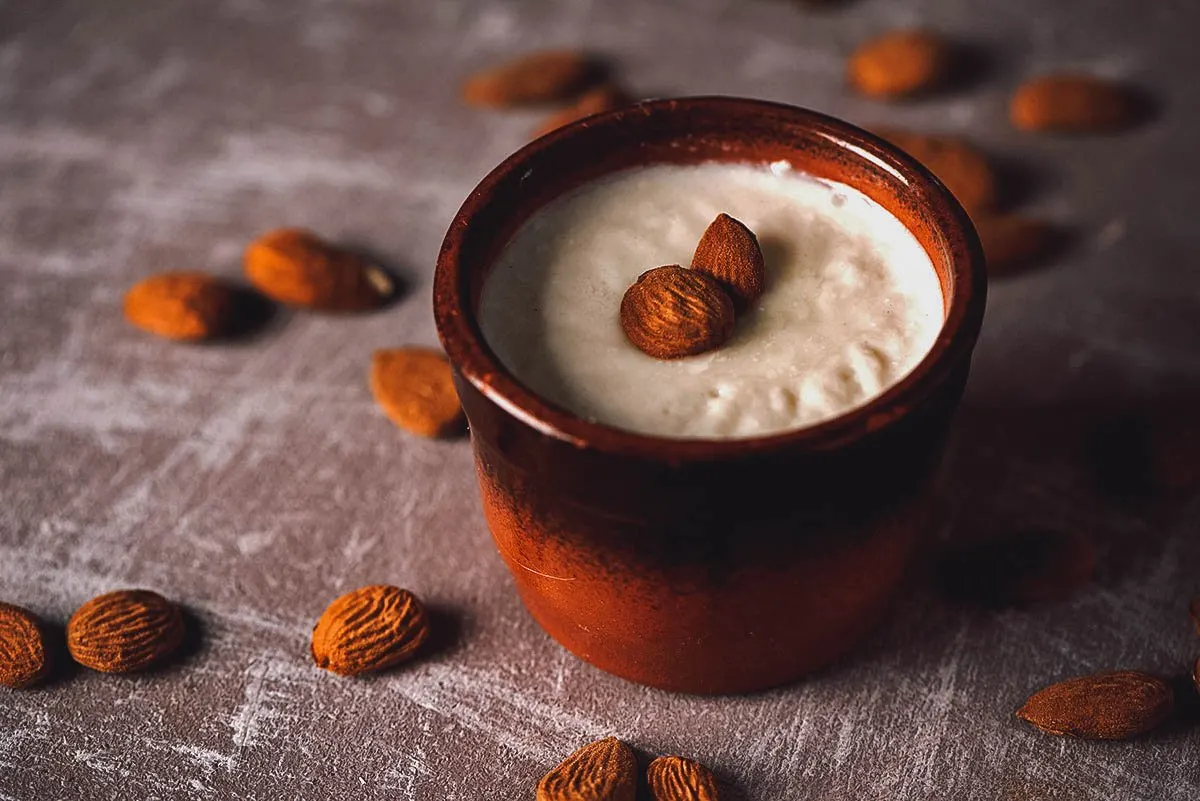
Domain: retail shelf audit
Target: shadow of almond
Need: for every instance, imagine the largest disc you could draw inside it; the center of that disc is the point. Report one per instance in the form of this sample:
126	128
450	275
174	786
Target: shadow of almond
1016	569
399	277
251	317
447	628
62	667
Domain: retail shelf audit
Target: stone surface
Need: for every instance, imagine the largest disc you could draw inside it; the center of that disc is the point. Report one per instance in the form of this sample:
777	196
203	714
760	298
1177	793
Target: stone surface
256	481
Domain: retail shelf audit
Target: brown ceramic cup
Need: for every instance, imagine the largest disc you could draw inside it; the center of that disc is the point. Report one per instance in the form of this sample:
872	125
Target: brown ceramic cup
707	566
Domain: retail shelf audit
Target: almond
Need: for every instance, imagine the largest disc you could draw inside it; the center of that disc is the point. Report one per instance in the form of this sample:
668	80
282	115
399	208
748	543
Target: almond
729	252
964	169
671	312
674	778
1011	242
369	629
297	267
1072	104
124	631
899	63
595	101
415	388
540	77
1194	613
605	770
1106	706
180	305
24	657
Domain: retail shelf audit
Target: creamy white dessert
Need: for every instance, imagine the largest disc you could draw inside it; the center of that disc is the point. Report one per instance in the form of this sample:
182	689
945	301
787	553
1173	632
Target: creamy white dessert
852	302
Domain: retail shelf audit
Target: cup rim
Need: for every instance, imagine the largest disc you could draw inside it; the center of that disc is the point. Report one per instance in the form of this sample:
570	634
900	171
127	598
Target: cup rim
468	351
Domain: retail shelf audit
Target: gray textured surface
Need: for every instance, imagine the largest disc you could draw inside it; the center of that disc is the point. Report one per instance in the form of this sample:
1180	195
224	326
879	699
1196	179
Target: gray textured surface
256	481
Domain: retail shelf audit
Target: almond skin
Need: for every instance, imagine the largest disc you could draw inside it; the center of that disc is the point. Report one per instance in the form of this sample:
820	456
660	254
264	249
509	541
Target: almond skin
542	77
729	252
594	101
1106	706
605	770
415	388
963	168
674	778
1011	242
671	312
180	305
899	63
24	659
369	629
1072	104
125	631
297	267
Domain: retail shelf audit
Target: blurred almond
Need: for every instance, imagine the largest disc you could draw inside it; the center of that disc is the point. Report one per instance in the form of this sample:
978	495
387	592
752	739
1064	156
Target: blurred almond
415	388
297	267
1072	104
180	305
24	658
125	631
542	77
673	778
369	629
605	770
1106	706
899	63
963	168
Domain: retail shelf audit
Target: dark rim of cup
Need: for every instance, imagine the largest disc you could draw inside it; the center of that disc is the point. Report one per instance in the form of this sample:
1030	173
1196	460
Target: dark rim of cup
470	354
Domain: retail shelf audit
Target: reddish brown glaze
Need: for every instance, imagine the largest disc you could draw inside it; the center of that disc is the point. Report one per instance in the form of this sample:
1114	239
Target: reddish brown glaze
707	565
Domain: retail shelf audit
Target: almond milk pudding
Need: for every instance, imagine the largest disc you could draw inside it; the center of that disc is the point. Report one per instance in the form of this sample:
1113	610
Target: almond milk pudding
852	302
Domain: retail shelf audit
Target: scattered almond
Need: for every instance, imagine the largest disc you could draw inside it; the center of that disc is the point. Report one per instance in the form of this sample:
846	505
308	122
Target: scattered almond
24	658
1106	706
125	631
605	770
595	101
671	312
674	778
542	77
1194	613
180	305
729	252
369	629
415	388
899	63
1011	242
297	267
963	168
1072	104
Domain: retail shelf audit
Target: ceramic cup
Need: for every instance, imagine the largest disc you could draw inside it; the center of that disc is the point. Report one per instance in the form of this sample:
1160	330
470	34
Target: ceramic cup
707	566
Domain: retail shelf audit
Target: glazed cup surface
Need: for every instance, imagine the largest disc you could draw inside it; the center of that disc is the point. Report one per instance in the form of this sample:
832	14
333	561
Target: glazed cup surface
720	565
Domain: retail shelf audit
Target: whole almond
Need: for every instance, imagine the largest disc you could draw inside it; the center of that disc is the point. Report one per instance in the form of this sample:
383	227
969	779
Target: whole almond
1011	242
180	305
605	770
415	388
1194	613
671	312
125	631
674	778
540	77
1106	706
1072	104
24	658
729	252
963	168
899	63
369	629
297	267
594	101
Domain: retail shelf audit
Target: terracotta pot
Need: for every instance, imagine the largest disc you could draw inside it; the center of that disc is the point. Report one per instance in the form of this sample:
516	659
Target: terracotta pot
707	566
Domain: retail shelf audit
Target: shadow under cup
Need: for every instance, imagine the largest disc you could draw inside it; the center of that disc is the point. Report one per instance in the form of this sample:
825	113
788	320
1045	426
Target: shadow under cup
707	566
